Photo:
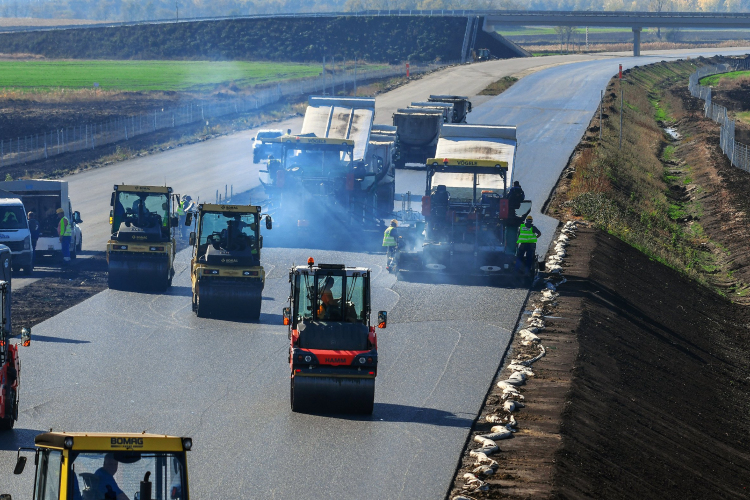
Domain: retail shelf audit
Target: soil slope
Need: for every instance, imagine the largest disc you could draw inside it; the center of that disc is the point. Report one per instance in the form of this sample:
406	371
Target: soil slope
660	397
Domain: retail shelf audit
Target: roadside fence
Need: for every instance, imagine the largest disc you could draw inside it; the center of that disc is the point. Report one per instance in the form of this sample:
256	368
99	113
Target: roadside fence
737	152
82	136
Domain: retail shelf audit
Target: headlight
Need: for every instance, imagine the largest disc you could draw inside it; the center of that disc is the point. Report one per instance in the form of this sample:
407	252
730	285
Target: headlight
308	359
27	243
68	442
362	360
119	247
156	249
211	271
187	443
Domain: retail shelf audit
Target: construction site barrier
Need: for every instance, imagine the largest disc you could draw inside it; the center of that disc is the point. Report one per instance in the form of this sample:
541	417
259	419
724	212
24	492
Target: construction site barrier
736	152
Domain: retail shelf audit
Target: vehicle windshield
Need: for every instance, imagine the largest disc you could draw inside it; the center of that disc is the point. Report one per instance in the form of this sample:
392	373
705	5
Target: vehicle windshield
144	210
317	160
461	185
229	230
101	476
12	217
331	297
270	134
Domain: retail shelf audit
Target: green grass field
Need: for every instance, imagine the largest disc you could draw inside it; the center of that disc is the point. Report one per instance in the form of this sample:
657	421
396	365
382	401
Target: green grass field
714	79
146	75
551	31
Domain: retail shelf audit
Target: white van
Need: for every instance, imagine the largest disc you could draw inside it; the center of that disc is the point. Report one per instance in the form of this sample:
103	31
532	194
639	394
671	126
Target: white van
14	233
44	197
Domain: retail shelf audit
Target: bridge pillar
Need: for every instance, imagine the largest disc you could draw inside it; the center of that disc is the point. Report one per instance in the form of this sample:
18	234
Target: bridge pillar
637	42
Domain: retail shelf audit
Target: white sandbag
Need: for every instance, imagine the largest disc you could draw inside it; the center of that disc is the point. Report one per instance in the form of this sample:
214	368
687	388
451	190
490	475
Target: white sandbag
511	406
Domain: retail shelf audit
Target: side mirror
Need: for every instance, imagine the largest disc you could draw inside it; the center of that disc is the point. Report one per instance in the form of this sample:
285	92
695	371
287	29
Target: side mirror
20	464
25	337
189	219
382	319
174	221
77	217
112	200
260	241
252	139
287	313
191	241
269	222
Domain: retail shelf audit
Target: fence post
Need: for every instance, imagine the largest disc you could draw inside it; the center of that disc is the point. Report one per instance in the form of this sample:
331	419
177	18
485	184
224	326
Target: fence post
2	153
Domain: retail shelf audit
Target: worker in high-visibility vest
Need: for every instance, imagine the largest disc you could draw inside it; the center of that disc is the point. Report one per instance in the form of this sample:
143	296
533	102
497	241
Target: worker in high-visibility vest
64	232
390	242
527	238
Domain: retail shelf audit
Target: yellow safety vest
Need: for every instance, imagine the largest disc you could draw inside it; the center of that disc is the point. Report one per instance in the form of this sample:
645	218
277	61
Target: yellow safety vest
64	227
526	234
181	209
388	240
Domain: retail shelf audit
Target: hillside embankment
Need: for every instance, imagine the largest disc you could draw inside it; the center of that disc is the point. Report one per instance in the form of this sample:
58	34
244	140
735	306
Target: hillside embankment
374	39
645	388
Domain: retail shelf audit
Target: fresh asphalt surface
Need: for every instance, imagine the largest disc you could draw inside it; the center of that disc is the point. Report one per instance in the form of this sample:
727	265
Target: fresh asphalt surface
124	361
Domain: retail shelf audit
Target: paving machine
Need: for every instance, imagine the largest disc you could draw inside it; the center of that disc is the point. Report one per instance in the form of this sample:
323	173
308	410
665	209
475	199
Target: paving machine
10	364
480	55
104	466
333	350
141	248
226	274
334	169
470	222
461	105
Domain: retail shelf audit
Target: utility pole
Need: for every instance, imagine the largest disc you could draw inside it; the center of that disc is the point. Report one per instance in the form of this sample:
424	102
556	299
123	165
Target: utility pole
355	76
621	99
324	75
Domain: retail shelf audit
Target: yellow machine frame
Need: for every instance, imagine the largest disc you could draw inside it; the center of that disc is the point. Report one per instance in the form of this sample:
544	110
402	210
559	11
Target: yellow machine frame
106	442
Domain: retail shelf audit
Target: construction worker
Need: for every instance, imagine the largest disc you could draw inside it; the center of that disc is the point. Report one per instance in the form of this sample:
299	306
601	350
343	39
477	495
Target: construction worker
182	210
515	196
34	229
390	242
64	231
527	237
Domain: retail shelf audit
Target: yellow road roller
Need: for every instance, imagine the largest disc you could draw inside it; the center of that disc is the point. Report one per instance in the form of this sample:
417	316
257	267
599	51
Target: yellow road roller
227	278
141	248
103	466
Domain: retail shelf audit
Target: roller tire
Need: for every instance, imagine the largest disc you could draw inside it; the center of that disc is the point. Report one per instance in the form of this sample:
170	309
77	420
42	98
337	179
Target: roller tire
7	423
324	395
200	311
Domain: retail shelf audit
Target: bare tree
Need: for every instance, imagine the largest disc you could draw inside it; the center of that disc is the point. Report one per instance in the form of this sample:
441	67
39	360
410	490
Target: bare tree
659	6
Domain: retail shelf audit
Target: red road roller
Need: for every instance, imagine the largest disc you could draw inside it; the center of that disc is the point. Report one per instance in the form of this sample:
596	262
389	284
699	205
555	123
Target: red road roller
333	352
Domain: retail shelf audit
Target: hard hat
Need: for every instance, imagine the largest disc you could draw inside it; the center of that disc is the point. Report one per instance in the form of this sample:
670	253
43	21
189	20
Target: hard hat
529	218
59	211
394	222
187	197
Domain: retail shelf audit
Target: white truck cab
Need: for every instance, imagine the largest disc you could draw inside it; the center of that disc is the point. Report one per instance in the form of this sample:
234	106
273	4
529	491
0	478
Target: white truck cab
44	197
14	233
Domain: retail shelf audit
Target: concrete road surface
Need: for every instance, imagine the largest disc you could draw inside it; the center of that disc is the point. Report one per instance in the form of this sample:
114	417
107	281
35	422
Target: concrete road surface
133	362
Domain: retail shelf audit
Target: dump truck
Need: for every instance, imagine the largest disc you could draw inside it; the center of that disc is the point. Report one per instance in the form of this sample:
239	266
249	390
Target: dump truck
141	248
44	197
333	352
331	169
227	278
470	223
102	466
418	132
481	55
10	364
461	105
445	107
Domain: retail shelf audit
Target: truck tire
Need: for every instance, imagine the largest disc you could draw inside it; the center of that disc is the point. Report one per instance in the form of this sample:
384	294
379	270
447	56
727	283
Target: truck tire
28	269
79	246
